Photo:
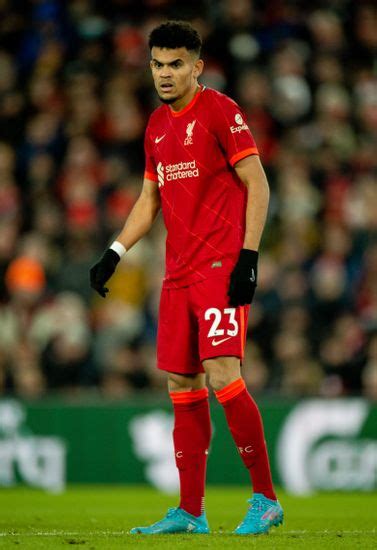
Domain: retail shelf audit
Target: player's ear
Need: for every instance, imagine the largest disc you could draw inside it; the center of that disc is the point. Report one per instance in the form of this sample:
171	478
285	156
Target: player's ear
198	68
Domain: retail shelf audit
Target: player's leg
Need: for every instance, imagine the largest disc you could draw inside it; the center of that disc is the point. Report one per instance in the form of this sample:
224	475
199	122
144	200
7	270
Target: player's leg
243	418
191	437
177	353
245	424
221	340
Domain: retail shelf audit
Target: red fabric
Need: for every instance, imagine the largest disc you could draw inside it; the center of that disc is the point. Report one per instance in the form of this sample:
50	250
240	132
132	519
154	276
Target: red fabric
184	397
245	424
230	391
196	323
192	436
190	154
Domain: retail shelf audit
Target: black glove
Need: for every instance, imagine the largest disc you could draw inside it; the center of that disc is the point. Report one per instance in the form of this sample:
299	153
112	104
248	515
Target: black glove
101	272
243	279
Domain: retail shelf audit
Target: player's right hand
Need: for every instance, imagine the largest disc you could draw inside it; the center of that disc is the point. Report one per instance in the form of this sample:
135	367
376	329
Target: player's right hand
101	272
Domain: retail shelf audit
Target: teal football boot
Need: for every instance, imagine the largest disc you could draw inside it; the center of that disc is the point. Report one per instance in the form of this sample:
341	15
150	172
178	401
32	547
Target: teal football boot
175	521
262	514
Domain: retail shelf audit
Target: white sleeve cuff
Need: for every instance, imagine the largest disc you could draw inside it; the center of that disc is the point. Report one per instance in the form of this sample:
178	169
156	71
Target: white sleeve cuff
118	248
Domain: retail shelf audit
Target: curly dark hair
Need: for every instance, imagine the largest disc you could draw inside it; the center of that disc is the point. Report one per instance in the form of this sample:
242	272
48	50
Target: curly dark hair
176	34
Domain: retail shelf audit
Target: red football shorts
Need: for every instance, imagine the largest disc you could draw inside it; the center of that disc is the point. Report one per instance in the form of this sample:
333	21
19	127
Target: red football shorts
196	323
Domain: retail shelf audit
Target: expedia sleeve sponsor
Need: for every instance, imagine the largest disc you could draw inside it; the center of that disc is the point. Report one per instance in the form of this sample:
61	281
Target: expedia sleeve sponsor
241	125
235	129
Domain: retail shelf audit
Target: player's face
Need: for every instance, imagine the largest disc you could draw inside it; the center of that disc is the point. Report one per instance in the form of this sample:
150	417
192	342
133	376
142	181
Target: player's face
175	73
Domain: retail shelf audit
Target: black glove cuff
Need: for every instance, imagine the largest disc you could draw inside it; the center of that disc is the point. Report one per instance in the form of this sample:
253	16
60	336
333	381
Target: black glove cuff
111	257
248	258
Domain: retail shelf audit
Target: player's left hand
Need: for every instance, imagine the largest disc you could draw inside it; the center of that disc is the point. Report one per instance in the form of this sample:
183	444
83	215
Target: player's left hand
243	279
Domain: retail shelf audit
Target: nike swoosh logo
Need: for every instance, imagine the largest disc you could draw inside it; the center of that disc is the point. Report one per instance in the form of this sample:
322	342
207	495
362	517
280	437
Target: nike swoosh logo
158	139
252	278
217	342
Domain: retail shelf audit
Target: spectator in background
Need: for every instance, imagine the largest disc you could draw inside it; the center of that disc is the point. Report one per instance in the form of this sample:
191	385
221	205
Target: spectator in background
25	281
46	340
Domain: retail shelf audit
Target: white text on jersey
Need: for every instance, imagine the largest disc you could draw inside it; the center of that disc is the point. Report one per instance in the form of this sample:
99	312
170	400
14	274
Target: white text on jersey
178	171
182	170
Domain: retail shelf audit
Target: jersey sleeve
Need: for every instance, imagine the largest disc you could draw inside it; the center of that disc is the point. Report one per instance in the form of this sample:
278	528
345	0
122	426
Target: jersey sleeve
232	131
150	171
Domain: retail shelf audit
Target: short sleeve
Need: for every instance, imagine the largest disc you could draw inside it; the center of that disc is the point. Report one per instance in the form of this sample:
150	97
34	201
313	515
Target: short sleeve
232	131
150	171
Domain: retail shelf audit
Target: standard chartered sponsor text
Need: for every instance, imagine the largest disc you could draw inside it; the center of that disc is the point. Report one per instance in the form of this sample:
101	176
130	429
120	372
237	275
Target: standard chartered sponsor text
181	170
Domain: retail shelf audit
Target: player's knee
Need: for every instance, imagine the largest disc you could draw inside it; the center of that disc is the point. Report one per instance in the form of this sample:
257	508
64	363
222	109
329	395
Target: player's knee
222	371
178	382
219	379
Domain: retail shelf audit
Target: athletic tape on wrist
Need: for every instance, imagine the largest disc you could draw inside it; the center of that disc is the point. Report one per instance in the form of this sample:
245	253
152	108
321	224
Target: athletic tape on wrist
118	248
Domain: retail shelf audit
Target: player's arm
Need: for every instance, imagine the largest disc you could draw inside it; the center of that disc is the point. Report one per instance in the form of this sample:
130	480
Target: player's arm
138	223
251	173
243	279
142	215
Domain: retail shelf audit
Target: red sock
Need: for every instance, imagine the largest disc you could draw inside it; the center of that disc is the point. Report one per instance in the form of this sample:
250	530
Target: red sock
245	424
191	436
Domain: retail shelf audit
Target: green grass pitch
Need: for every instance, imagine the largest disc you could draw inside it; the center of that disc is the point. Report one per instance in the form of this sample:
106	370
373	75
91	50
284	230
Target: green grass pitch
99	517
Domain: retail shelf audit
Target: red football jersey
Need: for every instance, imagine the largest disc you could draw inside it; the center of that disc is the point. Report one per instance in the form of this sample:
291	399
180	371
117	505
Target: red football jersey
190	154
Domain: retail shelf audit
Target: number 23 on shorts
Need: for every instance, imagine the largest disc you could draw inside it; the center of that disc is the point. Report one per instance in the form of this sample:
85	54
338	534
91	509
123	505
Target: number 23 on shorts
227	319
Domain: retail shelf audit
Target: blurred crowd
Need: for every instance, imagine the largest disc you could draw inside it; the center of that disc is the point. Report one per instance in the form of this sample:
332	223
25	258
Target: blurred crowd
75	96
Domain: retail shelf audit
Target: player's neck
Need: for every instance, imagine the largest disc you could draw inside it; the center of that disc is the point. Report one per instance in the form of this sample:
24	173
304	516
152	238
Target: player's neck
186	99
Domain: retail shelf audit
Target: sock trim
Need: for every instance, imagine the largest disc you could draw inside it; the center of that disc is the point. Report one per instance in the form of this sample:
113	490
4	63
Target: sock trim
191	396
230	391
